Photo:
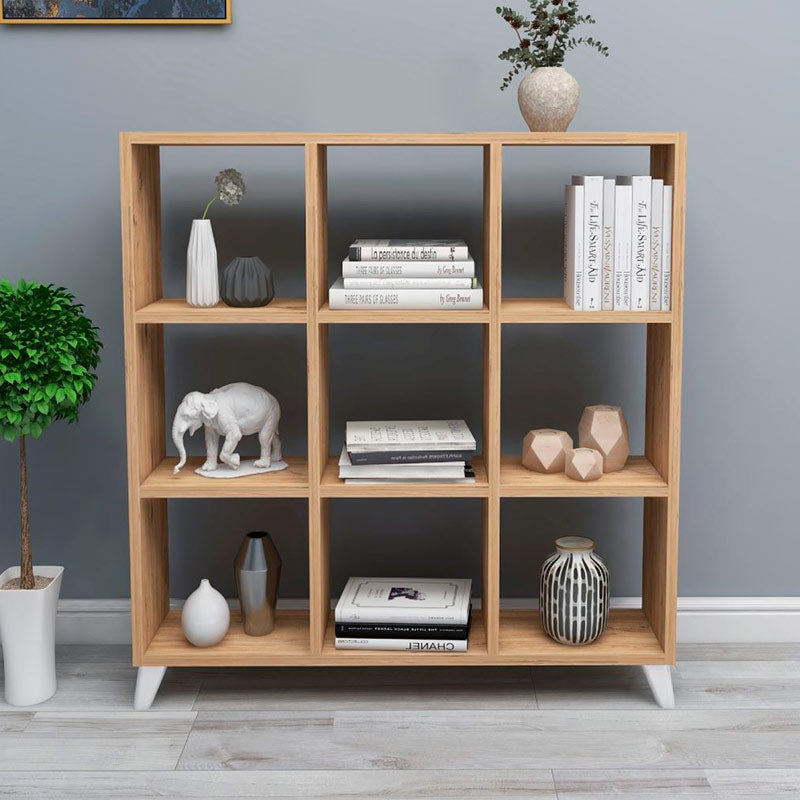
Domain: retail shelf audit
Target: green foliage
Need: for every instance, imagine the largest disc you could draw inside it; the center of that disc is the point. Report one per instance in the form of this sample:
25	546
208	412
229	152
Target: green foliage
48	351
546	37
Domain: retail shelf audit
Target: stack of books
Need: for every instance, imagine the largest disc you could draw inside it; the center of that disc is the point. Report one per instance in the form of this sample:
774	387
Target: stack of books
425	451
618	243
418	614
407	274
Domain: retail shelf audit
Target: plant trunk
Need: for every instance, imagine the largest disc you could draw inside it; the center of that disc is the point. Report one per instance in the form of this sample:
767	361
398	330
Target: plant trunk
26	560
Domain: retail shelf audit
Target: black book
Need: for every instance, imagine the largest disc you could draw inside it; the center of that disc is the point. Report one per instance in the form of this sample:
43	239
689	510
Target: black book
410	456
386	630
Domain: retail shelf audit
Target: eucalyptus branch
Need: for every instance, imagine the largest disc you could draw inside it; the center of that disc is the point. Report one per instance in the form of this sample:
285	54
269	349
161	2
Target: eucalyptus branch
548	35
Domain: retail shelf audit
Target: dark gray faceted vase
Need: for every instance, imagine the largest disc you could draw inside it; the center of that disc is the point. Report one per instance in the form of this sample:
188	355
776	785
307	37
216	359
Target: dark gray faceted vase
247	282
258	573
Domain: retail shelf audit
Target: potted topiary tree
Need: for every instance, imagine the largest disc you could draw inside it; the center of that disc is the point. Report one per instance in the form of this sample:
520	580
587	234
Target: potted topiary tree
548	95
48	351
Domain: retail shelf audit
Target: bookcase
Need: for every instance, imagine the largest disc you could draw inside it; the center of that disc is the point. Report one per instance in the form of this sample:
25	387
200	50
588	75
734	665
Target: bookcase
643	636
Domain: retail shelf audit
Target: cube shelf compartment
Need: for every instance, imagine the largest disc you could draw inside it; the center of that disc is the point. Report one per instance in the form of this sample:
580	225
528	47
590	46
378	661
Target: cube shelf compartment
499	636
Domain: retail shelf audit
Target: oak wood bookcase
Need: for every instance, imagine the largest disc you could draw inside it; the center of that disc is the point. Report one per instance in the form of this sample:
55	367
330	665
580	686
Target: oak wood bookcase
644	636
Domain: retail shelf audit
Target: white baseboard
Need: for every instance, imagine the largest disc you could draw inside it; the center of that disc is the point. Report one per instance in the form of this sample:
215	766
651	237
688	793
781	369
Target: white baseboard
701	620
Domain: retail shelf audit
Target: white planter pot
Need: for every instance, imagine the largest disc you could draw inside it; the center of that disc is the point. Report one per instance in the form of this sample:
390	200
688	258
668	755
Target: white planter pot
548	98
28	636
202	277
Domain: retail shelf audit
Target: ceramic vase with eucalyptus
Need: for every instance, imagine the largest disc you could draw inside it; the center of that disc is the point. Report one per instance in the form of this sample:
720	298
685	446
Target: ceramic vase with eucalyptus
573	592
548	98
202	278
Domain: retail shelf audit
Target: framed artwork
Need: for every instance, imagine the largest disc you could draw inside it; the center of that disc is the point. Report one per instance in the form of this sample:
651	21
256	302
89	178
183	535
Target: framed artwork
116	12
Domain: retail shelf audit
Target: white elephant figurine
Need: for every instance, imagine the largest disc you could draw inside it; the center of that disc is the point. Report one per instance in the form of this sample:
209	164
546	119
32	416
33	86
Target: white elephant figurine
232	411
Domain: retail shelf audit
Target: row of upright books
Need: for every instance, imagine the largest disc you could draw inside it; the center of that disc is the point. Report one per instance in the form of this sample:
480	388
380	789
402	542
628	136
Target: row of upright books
408	451
407	274
416	614
618	243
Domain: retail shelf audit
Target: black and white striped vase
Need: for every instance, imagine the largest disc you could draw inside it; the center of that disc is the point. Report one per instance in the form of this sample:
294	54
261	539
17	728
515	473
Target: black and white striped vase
573	592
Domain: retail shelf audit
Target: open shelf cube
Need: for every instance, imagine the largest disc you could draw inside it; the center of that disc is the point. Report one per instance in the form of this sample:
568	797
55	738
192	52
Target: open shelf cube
638	636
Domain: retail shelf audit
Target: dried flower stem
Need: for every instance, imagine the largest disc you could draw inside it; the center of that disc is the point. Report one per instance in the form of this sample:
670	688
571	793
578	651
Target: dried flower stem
215	197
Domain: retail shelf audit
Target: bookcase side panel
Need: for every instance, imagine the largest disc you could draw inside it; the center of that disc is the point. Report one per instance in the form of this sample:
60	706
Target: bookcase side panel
318	391
663	419
492	281
144	384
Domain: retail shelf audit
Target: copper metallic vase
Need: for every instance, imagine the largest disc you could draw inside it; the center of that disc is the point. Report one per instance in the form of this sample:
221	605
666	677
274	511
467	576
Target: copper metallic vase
258	573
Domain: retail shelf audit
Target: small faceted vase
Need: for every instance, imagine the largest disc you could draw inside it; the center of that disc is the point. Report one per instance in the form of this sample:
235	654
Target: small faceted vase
205	617
573	592
202	277
548	98
247	282
258	573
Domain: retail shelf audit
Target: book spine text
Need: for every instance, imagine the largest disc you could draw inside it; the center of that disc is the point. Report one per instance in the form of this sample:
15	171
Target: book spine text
411	645
656	246
573	247
609	186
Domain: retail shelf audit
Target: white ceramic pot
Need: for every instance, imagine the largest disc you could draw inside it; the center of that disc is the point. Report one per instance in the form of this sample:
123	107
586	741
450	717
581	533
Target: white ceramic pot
206	616
202	277
28	636
548	98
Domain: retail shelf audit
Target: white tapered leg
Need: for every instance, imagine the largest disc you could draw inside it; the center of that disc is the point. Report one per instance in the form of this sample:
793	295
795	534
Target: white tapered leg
148	680
659	677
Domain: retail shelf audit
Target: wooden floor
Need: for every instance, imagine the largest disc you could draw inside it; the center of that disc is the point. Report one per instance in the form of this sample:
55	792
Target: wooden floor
473	732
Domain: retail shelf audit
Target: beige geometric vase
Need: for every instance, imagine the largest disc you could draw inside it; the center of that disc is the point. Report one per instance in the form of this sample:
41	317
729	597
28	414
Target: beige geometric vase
545	450
584	464
604	428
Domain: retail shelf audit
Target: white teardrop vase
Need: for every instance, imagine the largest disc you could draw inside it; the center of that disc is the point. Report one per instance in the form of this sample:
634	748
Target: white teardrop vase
206	616
202	277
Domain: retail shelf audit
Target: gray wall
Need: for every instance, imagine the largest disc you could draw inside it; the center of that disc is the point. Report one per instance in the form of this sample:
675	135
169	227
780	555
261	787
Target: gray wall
368	65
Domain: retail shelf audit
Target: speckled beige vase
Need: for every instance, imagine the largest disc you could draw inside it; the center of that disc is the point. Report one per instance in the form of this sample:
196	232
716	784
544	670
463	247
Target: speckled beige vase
548	98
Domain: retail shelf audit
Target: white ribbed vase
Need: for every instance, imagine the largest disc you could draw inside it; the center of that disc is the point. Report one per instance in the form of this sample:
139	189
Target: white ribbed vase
573	592
202	278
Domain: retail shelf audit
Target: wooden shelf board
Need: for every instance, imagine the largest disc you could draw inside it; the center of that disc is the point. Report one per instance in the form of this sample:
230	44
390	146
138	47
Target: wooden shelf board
288	138
532	310
287	644
639	478
281	311
390	316
333	486
629	639
291	482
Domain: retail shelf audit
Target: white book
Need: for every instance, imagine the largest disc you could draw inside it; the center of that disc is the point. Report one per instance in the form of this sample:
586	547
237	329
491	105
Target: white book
410	283
573	247
592	240
405	600
408	269
432	470
412	645
409	250
666	246
607	293
656	246
381	481
383	435
623	213
640	236
407	299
